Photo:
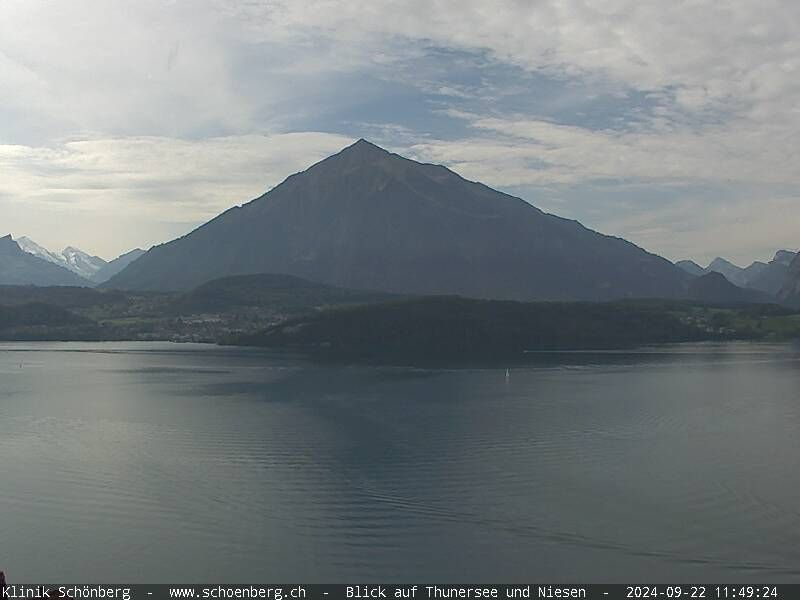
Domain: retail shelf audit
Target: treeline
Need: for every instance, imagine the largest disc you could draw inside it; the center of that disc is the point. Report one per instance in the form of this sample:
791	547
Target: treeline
279	293
37	321
332	323
433	328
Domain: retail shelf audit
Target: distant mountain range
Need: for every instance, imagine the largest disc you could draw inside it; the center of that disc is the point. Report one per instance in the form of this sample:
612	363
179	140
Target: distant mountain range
92	269
764	277
21	268
790	293
368	219
74	259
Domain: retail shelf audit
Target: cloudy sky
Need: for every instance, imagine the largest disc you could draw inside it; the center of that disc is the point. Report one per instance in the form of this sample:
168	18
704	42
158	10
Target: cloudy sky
673	124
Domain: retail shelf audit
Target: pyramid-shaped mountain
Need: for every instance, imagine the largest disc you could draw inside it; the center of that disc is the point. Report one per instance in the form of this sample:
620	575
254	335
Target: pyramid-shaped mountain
368	219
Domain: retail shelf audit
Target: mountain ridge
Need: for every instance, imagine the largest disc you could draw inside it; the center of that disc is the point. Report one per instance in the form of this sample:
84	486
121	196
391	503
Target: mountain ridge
116	265
92	268
790	292
763	277
18	267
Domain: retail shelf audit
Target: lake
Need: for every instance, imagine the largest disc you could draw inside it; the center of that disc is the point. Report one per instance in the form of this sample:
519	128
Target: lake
156	462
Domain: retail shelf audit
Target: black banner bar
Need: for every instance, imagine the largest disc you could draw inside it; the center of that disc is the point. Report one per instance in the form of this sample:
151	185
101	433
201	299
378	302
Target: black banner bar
409	591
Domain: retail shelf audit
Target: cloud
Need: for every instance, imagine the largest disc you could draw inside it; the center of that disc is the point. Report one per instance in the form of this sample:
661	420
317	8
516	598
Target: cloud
744	225
157	179
510	151
169	111
734	54
92	67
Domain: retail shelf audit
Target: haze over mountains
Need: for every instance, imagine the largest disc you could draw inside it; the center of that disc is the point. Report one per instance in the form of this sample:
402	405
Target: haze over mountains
74	259
368	219
764	277
111	268
21	268
790	292
89	269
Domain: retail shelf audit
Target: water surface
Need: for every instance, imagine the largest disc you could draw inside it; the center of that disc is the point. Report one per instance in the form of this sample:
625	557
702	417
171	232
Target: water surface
164	463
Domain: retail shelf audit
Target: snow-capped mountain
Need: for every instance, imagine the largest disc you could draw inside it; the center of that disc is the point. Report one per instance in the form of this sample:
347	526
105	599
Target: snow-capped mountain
74	259
82	263
18	267
31	247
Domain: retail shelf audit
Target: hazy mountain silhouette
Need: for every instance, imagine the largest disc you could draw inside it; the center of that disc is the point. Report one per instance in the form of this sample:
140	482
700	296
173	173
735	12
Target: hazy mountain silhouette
790	293
691	267
82	263
113	267
733	273
20	268
772	278
761	276
715	287
368	219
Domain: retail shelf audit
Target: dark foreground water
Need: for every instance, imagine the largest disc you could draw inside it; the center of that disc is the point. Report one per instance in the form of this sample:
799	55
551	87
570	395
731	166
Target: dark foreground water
178	463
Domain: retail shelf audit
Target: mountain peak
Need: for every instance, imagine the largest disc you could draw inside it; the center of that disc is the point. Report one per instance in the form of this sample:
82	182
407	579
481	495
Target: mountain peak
784	256
358	155
363	144
363	149
690	267
722	262
8	245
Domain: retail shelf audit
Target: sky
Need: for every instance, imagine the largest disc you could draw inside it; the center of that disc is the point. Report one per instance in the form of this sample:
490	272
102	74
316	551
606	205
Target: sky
673	124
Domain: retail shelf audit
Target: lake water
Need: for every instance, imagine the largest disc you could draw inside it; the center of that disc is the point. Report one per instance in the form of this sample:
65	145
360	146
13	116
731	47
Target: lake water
187	463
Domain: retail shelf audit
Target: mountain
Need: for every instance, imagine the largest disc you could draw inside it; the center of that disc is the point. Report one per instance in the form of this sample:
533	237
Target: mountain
31	247
764	277
733	273
74	259
90	267
785	257
21	268
790	292
691	267
113	267
753	272
773	276
82	263
715	287
367	219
